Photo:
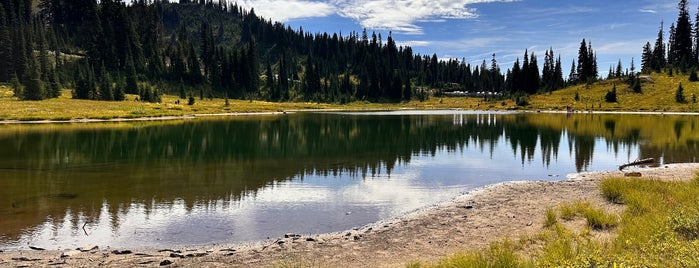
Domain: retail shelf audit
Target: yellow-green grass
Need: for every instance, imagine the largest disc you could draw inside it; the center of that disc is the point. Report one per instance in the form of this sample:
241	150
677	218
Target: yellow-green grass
66	108
658	95
658	228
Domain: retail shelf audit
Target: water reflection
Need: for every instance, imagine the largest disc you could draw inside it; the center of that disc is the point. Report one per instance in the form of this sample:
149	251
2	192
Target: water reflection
236	179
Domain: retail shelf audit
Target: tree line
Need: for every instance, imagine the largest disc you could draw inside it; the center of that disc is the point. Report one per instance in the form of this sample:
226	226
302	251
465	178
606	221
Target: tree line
107	49
681	52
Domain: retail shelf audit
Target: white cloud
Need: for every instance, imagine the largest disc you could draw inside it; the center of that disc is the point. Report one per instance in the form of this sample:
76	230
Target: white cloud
285	10
401	15
414	43
648	11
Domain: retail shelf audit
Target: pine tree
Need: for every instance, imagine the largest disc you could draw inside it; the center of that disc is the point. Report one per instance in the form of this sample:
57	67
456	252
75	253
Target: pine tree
636	87
679	94
681	49
119	94
34	89
647	59
611	95
17	87
105	87
131	78
5	48
659	58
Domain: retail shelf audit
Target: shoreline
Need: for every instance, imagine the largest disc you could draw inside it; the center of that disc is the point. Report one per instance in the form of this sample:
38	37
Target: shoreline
468	221
293	111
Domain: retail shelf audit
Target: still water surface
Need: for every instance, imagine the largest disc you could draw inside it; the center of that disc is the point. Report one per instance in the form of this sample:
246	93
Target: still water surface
234	179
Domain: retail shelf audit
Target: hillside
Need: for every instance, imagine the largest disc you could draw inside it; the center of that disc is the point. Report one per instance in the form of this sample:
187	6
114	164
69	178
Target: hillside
658	95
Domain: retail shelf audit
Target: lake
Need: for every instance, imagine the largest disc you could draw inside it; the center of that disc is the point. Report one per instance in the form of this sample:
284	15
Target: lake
245	178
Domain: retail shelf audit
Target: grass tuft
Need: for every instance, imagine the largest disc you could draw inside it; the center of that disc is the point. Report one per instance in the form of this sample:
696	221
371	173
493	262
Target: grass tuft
659	228
551	218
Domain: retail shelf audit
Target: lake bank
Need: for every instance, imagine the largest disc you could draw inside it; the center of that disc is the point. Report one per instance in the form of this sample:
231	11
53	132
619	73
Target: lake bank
470	221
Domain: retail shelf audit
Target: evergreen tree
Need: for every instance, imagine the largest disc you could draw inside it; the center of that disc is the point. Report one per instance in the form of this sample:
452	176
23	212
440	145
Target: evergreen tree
17	87
105	87
119	94
131	78
636	86
647	59
611	95
5	48
35	87
679	94
659	58
693	75
587	63
681	48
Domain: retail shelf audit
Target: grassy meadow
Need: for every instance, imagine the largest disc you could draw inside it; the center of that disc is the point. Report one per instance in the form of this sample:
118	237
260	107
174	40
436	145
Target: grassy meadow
659	227
658	95
66	108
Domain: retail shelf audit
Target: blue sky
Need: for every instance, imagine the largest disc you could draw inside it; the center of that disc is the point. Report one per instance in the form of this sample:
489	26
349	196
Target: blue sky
475	29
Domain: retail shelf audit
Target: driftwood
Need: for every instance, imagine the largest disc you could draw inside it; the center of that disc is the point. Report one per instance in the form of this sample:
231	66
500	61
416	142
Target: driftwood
638	163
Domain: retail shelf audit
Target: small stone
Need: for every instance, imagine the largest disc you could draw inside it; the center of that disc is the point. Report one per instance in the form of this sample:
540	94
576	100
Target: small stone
530	224
310	239
88	248
24	259
69	253
122	252
281	242
196	254
36	248
356	237
165	262
468	207
292	235
176	255
348	234
633	174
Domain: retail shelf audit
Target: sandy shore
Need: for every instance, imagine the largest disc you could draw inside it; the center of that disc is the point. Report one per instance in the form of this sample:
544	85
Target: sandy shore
470	221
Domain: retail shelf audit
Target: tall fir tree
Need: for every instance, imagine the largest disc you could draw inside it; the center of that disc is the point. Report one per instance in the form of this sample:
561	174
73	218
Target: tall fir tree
681	48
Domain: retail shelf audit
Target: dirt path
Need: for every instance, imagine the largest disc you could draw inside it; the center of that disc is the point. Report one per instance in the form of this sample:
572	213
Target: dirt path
468	222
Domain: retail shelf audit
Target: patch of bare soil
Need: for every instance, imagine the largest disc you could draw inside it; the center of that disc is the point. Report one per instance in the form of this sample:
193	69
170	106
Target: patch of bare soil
468	222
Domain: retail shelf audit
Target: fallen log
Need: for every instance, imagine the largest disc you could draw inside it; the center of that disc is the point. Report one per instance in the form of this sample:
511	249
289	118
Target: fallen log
638	163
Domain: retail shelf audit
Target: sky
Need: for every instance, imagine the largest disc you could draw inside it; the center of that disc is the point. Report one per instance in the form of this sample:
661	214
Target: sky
475	29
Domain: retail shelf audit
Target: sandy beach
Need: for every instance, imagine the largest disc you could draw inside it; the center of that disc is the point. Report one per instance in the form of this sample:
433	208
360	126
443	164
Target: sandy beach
470	221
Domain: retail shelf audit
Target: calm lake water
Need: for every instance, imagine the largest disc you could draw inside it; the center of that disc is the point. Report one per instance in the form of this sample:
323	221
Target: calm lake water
234	179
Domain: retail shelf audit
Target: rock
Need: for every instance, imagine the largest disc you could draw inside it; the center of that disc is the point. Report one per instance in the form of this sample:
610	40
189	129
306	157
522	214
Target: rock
122	252
176	255
468	207
36	248
632	174
348	234
165	262
170	250
88	248
530	223
70	253
24	259
281	242
356	237
196	254
292	235
310	239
